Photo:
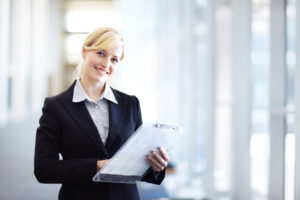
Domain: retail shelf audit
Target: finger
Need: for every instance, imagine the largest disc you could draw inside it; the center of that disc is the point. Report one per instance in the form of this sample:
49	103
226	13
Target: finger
159	159
154	164
155	167
164	154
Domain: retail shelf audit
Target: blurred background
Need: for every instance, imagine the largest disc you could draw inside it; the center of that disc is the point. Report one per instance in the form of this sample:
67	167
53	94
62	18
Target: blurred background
224	69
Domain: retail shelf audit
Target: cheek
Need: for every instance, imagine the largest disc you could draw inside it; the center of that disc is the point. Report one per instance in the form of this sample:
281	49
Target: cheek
93	60
88	66
113	69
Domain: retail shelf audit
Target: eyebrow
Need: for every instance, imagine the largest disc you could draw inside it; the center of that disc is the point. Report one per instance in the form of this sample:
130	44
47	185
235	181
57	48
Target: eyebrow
113	55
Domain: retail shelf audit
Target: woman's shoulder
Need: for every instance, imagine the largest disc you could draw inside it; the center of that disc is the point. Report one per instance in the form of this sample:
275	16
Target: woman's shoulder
121	95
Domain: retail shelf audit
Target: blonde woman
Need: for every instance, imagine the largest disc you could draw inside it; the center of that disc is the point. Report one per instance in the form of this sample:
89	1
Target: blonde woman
88	123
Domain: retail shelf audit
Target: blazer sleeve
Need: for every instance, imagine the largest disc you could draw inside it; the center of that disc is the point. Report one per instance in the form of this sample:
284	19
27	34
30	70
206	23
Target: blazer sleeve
150	176
48	168
138	114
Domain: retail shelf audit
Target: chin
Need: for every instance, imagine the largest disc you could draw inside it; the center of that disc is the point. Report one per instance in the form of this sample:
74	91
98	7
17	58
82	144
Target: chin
100	80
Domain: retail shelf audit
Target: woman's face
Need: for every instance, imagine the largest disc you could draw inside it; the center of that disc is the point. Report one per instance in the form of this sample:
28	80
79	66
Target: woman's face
100	65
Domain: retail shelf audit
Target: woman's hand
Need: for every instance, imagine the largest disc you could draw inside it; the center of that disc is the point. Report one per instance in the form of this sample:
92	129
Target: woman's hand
101	163
158	160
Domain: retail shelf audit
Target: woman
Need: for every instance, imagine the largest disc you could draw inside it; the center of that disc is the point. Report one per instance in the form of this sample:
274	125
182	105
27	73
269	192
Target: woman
88	123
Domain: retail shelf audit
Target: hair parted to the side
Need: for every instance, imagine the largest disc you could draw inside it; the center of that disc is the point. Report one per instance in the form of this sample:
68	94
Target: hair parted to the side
100	39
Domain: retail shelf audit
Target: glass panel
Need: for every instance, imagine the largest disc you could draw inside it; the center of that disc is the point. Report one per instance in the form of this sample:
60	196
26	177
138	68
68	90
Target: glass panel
259	142
85	16
259	151
260	53
200	168
290	51
290	158
223	114
10	32
73	47
9	93
290	100
223	151
86	21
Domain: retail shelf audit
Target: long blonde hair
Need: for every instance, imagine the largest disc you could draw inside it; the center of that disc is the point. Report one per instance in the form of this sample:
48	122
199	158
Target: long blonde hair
100	39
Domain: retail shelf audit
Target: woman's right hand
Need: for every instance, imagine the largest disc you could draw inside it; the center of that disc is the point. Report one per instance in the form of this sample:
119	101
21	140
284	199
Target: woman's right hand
101	163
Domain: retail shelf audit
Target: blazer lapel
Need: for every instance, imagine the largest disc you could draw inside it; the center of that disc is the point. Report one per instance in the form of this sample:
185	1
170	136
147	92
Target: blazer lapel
81	116
116	118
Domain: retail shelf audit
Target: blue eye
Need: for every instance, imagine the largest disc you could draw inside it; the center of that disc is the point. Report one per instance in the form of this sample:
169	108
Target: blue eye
100	53
114	60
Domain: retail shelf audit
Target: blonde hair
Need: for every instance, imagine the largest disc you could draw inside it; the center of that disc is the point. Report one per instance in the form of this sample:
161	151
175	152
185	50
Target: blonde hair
100	39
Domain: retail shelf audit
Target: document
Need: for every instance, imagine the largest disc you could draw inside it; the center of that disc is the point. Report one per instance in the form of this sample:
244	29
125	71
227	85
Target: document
129	165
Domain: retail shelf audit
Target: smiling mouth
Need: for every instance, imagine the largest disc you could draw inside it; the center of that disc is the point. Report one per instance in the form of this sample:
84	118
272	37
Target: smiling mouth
101	71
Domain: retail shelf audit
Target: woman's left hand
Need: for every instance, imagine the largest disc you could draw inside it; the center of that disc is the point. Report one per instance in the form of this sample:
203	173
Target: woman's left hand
158	160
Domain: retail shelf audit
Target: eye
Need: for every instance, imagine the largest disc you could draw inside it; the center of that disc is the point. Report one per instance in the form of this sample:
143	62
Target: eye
114	60
100	53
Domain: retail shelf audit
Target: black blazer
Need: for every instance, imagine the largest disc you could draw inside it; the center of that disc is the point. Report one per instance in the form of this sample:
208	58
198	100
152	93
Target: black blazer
66	128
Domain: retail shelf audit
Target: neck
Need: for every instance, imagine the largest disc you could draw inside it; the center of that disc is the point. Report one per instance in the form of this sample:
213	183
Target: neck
94	90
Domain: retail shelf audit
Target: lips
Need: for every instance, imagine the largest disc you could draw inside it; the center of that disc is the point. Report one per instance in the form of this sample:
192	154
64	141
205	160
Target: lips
101	71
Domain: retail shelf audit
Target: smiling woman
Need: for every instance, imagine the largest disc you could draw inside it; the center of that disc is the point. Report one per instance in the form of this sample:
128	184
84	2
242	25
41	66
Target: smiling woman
102	41
103	61
88	123
101	52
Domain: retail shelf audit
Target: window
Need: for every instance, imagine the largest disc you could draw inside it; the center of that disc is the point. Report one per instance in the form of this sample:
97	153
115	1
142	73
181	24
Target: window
259	143
290	100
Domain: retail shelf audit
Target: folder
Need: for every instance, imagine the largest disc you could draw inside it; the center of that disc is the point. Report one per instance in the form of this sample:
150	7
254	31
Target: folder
129	165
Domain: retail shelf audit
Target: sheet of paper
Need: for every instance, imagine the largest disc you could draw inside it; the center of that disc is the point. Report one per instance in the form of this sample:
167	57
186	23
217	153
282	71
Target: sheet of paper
130	160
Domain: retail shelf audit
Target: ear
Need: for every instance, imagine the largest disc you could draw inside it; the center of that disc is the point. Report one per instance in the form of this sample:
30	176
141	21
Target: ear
83	53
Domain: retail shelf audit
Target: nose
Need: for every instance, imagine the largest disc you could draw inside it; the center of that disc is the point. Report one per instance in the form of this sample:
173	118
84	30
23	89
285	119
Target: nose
106	63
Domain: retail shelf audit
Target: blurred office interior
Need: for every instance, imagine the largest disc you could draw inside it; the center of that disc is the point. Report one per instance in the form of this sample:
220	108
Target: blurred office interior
224	69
